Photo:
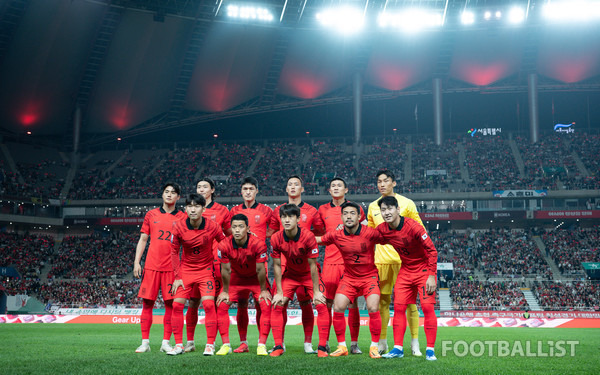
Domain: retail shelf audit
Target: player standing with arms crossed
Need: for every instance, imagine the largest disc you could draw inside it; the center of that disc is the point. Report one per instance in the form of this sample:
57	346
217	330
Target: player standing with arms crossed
357	246
244	257
416	276
258	216
333	265
158	271
194	272
220	215
299	247
388	261
309	220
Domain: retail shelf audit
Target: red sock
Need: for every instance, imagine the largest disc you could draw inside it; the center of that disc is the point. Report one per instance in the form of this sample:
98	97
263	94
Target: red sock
308	321
329	308
277	324
146	318
265	321
323	323
258	315
354	323
177	322
399	322
339	326
223	321
242	322
375	325
285	317
168	329
430	323
210	320
191	321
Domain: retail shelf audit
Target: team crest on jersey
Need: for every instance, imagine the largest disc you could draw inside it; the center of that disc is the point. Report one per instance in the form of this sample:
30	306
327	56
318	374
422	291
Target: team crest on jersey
424	236
257	219
263	255
213	217
219	253
304	218
315	251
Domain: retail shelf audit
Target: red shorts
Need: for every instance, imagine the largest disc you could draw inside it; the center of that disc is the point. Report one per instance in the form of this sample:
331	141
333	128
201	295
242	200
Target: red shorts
218	282
197	285
331	276
355	287
408	285
241	287
291	285
152	281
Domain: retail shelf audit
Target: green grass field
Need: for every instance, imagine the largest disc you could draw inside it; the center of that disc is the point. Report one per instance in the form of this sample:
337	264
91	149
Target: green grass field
109	349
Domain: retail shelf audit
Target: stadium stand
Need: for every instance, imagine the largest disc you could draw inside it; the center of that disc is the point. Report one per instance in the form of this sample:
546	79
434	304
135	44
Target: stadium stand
486	295
569	247
569	295
27	253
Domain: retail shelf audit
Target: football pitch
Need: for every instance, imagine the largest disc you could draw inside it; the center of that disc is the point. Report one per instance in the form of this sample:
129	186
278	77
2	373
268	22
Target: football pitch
109	349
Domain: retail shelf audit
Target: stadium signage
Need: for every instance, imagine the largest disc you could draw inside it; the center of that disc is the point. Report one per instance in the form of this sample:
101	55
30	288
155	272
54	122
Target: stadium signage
519	314
446	216
484	131
564	128
436	172
499	215
520	193
591	214
113	311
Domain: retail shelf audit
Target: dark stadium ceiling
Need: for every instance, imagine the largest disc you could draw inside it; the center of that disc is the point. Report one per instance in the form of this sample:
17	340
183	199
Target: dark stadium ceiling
136	66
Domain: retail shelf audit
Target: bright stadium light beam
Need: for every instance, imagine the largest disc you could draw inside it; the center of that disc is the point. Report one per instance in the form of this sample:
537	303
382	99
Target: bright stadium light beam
411	20
516	15
467	18
346	20
249	13
569	11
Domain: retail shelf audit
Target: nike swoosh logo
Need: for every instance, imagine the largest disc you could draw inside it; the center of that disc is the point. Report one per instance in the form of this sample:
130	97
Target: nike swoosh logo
376	214
156	222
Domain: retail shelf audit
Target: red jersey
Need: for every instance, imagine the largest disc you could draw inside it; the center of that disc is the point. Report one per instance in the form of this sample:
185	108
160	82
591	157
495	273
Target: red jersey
197	246
158	225
413	244
243	259
220	215
358	250
309	219
258	215
331	215
296	251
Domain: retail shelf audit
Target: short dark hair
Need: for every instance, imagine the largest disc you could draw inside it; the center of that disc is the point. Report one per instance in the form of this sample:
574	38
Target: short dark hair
295	176
386	172
289	209
338	179
175	187
350	204
241	217
195	198
207	179
389	201
250	180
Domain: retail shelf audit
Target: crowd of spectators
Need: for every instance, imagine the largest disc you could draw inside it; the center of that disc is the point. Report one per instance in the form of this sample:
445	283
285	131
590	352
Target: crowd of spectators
13	286
456	248
570	247
442	160
491	164
328	160
27	253
95	256
279	161
570	295
97	294
509	253
486	295
377	156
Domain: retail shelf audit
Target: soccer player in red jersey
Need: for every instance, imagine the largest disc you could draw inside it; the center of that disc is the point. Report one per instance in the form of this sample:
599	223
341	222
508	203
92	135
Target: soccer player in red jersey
258	216
357	246
417	274
244	271
157	271
195	269
333	265
309	220
220	215
298	246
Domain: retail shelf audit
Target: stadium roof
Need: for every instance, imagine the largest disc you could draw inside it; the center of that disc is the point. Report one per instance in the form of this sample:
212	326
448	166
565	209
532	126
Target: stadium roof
136	66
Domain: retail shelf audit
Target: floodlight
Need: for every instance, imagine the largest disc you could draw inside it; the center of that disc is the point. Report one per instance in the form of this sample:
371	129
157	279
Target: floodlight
487	15
467	18
569	11
498	14
411	20
346	19
516	15
249	13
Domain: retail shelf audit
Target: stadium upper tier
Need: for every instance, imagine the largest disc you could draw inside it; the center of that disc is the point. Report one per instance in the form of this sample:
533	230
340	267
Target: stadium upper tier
460	164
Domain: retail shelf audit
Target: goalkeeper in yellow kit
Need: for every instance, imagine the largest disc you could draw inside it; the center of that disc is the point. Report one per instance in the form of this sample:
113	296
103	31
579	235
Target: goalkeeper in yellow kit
388	262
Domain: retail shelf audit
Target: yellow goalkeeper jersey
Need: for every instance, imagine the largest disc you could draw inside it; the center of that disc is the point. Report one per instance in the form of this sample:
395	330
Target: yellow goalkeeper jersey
385	254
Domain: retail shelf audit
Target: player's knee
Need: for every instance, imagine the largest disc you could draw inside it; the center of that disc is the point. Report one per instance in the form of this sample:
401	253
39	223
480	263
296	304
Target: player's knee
148	304
400	308
385	300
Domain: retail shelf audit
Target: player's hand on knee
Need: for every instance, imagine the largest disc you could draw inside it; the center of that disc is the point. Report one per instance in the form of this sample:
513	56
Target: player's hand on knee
319	298
278	300
266	296
223	297
176	285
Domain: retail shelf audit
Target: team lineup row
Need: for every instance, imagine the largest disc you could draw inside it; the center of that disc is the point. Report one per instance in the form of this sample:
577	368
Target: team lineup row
362	257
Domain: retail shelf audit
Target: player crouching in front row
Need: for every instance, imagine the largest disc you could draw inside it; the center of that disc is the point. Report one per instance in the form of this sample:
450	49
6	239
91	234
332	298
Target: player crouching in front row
243	257
300	250
417	274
